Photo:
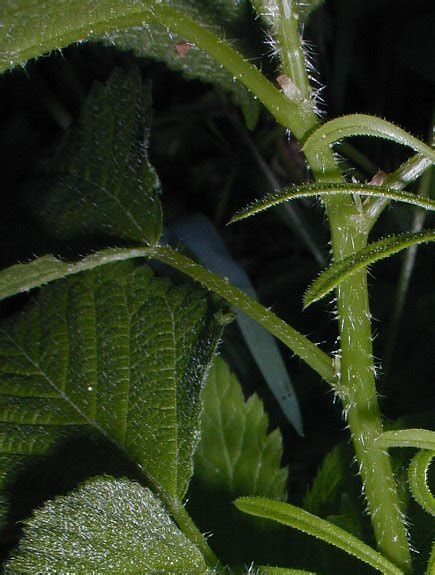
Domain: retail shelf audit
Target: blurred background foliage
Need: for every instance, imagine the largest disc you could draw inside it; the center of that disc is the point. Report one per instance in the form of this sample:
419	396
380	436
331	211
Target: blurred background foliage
371	56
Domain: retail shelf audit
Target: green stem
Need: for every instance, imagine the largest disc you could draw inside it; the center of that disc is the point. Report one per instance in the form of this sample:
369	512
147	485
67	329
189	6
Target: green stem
357	388
298	343
292	56
185	523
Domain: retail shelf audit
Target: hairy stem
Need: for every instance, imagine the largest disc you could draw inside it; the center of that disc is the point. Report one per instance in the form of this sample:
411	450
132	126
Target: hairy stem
357	388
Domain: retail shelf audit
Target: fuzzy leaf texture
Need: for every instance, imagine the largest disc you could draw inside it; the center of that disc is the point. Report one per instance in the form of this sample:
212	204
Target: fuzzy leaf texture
106	189
31	31
107	525
339	271
236	455
112	350
20	278
336	189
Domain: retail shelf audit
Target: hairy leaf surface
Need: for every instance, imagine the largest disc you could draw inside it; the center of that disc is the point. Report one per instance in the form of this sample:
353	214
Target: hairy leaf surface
339	271
105	188
106	526
114	350
296	192
236	455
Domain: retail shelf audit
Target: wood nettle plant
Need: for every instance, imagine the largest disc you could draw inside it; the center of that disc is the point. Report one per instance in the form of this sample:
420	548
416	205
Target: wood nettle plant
108	352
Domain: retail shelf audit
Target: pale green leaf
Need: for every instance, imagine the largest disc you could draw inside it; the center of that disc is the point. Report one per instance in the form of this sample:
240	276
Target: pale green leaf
363	125
299	519
417	479
419	438
296	192
107	526
48	25
106	188
116	351
24	277
236	455
339	271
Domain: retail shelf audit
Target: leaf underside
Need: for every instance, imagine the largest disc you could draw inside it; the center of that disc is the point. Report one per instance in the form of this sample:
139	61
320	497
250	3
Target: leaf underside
339	271
34	30
113	350
107	526
236	455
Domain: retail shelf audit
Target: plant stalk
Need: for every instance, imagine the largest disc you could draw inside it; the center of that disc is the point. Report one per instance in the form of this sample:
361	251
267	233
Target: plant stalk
357	388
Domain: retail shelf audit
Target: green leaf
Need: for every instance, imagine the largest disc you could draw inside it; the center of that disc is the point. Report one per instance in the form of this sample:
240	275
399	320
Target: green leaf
339	271
299	519
363	125
328	481
321	190
417	479
107	525
236	455
44	26
419	438
24	277
106	188
116	351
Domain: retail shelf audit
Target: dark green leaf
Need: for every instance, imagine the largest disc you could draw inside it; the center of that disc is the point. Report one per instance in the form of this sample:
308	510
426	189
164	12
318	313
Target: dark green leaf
114	350
101	184
106	526
44	26
236	455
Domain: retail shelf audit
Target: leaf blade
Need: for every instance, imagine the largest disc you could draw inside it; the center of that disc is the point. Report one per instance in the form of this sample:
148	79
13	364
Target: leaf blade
236	455
106	525
365	125
296	192
308	523
339	271
108	351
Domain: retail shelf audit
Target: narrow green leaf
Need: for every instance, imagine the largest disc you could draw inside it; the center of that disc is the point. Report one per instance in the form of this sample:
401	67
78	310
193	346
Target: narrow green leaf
339	271
321	190
236	455
417	479
107	526
116	351
299	519
24	277
419	438
364	125
106	188
298	343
